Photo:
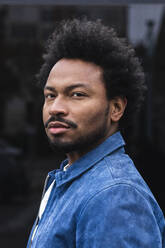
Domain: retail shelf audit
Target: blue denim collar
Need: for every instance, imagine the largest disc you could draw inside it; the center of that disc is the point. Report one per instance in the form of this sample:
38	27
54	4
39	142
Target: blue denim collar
111	144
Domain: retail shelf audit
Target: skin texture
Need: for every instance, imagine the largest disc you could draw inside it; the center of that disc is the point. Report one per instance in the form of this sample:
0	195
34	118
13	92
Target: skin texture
77	114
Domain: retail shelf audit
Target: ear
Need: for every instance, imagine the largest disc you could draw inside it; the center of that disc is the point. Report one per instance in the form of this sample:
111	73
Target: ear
117	107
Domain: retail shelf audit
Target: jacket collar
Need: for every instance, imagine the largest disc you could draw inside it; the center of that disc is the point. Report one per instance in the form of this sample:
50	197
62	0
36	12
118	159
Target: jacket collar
111	144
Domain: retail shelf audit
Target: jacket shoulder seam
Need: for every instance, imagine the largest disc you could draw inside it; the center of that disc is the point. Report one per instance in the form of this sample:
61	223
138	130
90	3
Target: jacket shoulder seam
109	187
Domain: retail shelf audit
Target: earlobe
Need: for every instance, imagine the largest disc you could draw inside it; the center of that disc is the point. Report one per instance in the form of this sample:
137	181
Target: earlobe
117	106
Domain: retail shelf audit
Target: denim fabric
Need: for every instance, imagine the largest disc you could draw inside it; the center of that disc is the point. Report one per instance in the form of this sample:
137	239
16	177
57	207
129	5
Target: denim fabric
101	201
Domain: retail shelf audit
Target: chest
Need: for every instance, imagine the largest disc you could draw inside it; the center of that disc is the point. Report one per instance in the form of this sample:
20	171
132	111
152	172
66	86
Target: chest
57	224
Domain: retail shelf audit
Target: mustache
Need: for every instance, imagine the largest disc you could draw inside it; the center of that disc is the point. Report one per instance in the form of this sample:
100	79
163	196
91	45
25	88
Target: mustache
60	119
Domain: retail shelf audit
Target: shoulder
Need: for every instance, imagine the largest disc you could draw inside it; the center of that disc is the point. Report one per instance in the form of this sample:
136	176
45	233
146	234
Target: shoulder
116	170
119	213
116	184
122	202
115	194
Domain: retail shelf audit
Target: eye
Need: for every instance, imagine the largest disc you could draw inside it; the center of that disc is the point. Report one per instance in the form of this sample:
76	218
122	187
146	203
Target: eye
49	96
78	94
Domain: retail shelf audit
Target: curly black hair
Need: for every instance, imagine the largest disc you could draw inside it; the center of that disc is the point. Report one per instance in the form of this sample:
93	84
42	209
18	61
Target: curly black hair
93	42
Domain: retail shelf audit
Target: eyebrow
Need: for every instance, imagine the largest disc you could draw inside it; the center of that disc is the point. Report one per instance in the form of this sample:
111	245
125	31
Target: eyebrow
68	88
49	88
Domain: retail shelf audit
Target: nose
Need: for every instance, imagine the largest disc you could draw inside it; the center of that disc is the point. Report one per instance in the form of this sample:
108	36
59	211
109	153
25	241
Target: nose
58	107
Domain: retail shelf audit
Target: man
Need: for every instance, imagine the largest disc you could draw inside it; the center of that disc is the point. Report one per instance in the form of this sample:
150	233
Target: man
93	85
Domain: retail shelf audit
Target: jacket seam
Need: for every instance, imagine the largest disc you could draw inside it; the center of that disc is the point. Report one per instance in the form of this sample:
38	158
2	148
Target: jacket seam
109	187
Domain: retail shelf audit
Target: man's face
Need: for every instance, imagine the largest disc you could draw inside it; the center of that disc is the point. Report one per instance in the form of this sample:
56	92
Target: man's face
76	112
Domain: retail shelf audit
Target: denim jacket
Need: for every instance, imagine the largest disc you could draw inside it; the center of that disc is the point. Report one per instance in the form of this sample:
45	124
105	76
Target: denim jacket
101	201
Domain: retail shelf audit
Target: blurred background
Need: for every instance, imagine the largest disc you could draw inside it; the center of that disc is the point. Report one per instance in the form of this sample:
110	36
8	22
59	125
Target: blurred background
25	156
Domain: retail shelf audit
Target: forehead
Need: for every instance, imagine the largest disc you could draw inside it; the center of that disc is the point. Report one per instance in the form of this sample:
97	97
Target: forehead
75	70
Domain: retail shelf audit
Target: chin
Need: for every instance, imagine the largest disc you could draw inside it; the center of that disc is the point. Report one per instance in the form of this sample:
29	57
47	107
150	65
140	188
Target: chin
65	147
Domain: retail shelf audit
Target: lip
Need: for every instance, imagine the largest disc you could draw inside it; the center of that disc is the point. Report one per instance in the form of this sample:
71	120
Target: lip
57	127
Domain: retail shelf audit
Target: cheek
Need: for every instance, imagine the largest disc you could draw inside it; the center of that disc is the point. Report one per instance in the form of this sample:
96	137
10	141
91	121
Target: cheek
91	117
44	113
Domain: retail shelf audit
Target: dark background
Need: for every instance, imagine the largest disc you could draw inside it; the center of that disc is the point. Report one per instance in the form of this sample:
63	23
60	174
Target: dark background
25	156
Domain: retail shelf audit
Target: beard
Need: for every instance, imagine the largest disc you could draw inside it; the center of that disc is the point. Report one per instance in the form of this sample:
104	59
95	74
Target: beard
80	144
84	142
